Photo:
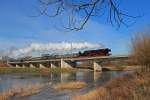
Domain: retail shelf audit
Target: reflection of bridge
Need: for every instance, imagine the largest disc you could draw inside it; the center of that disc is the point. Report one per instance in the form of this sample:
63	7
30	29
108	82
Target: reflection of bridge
65	62
86	76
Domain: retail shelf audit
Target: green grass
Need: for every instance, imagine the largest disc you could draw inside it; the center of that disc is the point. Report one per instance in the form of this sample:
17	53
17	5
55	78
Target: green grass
35	70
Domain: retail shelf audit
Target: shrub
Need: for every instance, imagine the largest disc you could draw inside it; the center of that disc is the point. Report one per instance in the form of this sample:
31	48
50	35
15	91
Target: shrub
140	49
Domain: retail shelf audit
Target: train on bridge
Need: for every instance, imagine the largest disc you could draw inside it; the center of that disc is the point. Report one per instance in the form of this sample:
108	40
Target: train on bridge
87	53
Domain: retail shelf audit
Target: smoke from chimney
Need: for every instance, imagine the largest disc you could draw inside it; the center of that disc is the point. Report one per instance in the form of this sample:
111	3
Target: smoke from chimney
52	48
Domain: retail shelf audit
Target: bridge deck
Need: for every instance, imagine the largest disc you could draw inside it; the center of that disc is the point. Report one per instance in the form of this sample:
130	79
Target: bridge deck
72	59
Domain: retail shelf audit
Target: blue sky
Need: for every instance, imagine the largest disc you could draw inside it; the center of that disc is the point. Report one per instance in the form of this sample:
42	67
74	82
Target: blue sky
18	29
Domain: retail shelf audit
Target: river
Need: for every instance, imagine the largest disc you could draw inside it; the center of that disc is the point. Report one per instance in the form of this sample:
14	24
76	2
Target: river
93	79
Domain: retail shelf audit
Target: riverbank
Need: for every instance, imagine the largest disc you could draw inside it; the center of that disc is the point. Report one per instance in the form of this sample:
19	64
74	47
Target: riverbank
21	91
6	70
122	68
134	86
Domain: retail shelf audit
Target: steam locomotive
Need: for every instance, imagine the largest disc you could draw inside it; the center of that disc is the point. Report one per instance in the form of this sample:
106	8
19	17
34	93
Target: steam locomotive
98	52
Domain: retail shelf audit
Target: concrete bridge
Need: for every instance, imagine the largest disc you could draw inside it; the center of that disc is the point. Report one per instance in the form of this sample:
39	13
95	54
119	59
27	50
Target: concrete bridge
66	62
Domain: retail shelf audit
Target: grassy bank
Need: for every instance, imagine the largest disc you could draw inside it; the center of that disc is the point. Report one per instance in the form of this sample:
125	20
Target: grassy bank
134	86
35	70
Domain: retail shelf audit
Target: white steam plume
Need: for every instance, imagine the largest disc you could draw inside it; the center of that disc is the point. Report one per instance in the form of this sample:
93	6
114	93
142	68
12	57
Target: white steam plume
53	47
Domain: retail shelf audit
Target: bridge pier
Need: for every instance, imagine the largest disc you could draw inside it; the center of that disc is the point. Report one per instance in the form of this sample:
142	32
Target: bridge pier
67	64
97	66
53	65
23	66
42	66
18	66
32	66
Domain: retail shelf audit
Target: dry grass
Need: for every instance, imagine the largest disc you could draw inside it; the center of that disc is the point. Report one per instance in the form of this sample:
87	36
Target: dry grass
135	86
131	87
98	94
140	49
44	71
70	85
30	90
21	91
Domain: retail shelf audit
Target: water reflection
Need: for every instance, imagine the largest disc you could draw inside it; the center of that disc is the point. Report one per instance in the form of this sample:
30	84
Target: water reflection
91	78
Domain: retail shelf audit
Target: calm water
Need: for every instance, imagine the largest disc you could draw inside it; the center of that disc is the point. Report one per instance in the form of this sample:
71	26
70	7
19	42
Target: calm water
93	79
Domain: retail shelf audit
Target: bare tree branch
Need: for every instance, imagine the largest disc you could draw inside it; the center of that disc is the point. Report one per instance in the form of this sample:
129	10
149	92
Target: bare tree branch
85	8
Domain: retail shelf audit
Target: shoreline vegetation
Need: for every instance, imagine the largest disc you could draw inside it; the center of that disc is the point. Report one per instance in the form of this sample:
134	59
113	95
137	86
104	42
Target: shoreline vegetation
45	71
21	91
